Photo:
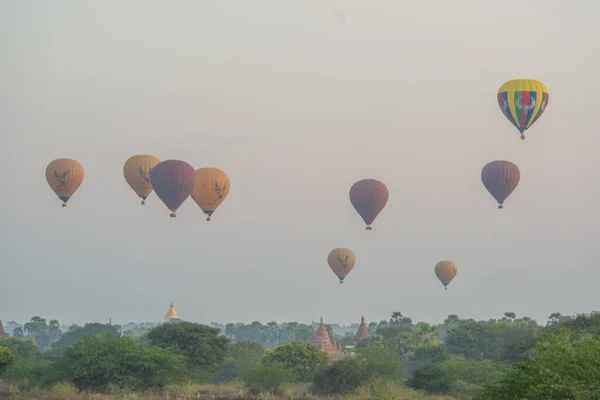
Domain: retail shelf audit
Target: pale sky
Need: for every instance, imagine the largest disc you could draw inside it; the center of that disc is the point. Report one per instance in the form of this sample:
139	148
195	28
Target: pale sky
296	107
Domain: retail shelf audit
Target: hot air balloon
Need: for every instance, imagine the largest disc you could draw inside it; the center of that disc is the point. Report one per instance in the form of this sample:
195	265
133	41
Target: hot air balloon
500	178
341	261
173	181
64	176
137	170
523	101
369	197
445	271
212	186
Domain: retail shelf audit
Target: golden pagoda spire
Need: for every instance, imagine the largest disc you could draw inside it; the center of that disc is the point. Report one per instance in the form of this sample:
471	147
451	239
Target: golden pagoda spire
171	314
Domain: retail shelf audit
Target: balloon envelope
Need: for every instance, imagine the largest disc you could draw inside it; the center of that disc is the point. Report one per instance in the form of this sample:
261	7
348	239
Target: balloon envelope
500	178
173	181
523	101
64	176
341	261
369	197
211	189
445	271
137	171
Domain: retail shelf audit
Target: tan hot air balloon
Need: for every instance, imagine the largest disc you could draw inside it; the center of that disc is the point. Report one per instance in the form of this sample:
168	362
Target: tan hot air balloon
64	177
211	189
137	171
445	271
341	261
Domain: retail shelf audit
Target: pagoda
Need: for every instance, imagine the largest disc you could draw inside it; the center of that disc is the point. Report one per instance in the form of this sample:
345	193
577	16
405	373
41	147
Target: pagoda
3	333
322	342
362	334
171	314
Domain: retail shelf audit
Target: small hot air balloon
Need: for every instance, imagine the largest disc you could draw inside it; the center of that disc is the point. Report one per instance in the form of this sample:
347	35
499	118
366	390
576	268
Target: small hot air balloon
211	189
341	261
500	178
523	101
445	271
137	171
64	176
369	197
173	181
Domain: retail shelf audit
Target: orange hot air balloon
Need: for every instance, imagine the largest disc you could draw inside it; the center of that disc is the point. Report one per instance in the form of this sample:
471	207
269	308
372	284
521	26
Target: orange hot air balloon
369	197
211	189
137	171
64	176
341	261
445	271
500	178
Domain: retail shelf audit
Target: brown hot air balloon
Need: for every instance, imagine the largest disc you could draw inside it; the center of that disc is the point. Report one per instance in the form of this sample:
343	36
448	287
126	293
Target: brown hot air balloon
341	261
369	197
64	176
445	271
173	181
500	178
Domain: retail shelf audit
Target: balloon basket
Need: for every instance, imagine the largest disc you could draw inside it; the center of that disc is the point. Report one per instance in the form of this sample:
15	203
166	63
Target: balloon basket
173	215
522	137
64	204
500	207
368	228
208	218
143	202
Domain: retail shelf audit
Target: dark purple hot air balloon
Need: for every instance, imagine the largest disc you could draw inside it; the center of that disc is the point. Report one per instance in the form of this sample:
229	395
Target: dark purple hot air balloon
500	178
173	181
368	197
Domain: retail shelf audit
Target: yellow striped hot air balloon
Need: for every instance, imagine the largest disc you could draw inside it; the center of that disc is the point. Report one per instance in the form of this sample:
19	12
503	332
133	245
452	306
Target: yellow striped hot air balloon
211	189
523	101
137	170
64	176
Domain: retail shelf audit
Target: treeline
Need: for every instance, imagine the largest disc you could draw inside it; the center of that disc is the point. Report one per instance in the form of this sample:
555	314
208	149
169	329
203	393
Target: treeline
502	358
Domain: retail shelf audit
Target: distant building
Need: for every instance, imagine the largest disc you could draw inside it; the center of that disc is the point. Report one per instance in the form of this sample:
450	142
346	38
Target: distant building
3	333
322	342
171	316
362	334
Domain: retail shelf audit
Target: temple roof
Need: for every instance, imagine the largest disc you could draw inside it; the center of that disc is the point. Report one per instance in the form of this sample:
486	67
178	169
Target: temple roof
363	333
322	342
2	331
171	313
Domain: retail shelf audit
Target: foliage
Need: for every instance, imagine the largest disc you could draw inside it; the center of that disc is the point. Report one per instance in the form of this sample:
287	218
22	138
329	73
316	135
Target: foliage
99	361
27	372
379	361
63	391
303	358
199	344
563	367
268	377
44	333
341	377
76	333
240	357
7	358
440	378
21	348
270	335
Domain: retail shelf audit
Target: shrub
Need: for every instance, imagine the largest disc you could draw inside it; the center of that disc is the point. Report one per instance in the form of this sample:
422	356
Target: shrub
7	358
341	377
30	372
99	361
302	358
268	378
62	391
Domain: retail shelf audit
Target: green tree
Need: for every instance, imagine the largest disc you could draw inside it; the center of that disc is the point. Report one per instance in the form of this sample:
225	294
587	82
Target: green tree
562	367
379	361
241	357
268	378
21	348
75	335
303	358
341	377
99	361
7	358
44	333
201	345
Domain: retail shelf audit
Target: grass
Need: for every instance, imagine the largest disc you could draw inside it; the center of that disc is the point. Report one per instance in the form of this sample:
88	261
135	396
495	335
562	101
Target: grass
194	391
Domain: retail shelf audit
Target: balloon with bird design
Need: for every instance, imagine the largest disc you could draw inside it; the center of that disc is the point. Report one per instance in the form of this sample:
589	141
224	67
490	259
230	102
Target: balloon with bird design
137	171
211	189
341	261
64	175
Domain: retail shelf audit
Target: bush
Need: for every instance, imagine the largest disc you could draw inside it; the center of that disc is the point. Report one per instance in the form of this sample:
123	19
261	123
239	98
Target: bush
302	358
62	391
268	378
341	377
7	358
380	362
30	372
99	361
240	357
21	348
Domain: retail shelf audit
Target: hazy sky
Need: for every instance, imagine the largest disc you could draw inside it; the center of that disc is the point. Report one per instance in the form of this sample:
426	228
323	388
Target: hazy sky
296	106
